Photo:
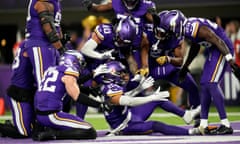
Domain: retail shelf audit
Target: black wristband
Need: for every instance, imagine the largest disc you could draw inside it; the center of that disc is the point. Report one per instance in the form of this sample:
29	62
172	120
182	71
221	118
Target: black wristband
53	37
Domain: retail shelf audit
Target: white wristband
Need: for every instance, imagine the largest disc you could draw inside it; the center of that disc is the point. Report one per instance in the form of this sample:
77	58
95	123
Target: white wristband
228	57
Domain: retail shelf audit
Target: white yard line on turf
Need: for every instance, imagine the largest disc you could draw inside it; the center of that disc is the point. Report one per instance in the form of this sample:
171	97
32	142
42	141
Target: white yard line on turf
5	117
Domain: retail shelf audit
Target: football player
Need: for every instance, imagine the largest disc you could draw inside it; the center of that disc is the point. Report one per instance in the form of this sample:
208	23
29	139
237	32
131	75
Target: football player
48	100
203	32
121	119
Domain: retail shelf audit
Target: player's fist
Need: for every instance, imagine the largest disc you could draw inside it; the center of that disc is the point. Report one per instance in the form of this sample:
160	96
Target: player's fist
143	71
163	60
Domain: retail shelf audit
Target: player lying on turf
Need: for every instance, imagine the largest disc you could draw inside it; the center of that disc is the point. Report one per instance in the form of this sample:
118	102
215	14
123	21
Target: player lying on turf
120	118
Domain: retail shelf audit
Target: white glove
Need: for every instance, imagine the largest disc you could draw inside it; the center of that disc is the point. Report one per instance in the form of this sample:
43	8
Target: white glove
145	83
160	95
138	78
101	69
108	54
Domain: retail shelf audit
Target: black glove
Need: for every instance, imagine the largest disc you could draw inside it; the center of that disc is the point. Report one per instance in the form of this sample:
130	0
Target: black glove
182	74
87	3
236	70
115	54
106	106
62	50
65	39
95	91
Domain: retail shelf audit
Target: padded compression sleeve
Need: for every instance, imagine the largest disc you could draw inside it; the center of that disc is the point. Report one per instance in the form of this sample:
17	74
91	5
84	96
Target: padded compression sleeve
89	49
135	101
47	17
83	79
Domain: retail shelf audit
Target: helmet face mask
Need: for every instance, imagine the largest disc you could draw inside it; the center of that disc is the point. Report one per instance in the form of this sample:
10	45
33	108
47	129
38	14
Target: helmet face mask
130	4
119	42
161	34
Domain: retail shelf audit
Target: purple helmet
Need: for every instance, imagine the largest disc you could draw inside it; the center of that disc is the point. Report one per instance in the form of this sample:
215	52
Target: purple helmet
125	32
74	59
130	4
117	71
170	22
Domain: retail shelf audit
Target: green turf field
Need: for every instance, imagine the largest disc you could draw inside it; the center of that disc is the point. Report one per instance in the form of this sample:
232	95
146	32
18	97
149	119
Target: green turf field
234	115
98	121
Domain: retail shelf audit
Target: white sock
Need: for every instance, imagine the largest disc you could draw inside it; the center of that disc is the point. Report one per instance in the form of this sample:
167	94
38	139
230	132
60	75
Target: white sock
204	123
225	122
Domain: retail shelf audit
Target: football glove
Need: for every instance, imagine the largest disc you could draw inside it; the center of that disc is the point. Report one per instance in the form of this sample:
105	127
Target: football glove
108	54
143	71
62	50
146	83
163	60
106	106
137	78
65	39
236	70
161	95
101	69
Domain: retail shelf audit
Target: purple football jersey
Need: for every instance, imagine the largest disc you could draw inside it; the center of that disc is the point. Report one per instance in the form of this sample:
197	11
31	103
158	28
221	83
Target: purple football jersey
106	34
191	30
22	70
138	13
34	27
119	113
51	92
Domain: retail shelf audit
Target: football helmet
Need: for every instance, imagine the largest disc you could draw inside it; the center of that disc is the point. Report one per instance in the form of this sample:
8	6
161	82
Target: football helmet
74	59
130	4
125	32
116	75
171	22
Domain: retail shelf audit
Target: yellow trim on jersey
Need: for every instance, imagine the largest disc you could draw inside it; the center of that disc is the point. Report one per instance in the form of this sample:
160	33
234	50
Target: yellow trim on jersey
21	118
72	73
217	67
70	120
115	94
40	61
195	30
99	35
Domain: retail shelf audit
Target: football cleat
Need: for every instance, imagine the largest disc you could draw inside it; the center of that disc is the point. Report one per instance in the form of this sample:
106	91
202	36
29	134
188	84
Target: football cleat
209	130
48	134
222	130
